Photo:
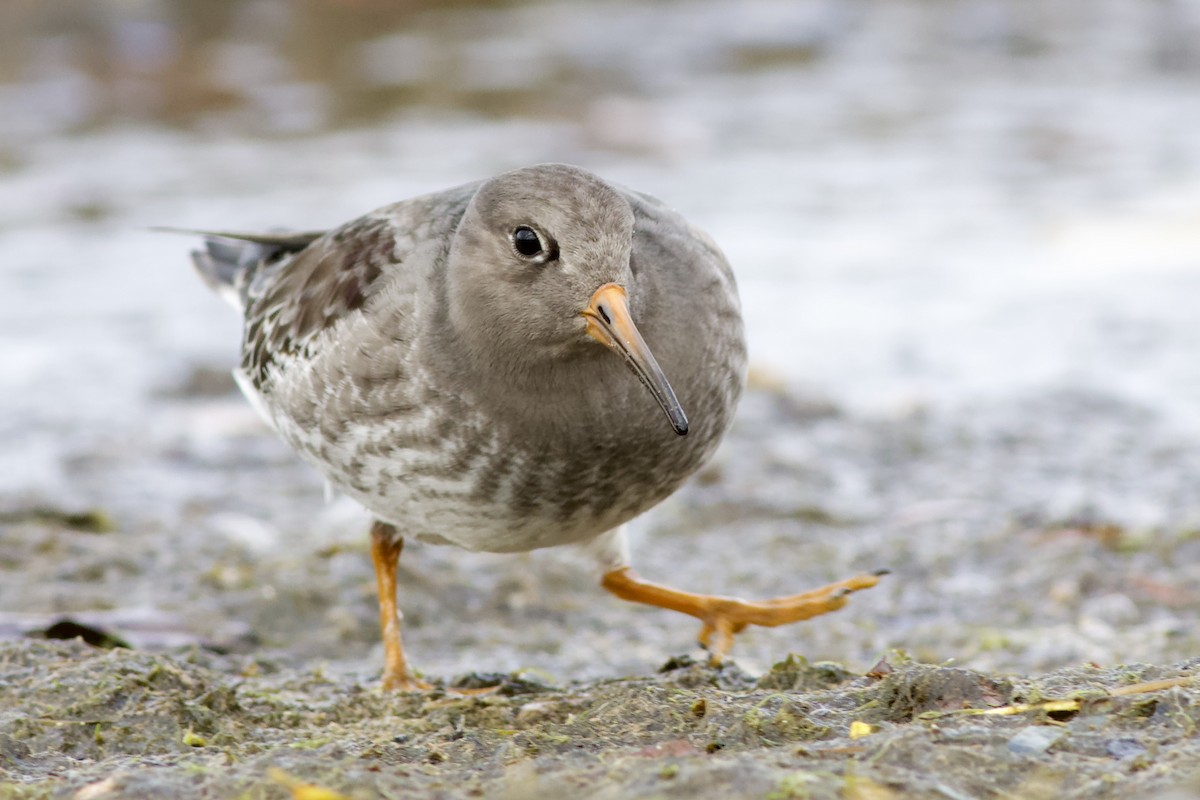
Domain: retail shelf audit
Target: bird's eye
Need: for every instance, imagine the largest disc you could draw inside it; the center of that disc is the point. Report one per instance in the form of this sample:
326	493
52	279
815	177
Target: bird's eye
526	241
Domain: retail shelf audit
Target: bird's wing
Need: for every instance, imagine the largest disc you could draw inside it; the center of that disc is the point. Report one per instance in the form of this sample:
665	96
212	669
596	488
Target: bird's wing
290	300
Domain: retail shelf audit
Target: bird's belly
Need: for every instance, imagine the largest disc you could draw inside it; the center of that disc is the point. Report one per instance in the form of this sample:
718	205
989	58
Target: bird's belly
444	509
482	527
448	511
452	474
454	508
426	495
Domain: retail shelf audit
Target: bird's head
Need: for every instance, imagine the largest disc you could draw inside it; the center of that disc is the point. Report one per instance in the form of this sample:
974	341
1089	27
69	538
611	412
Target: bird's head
539	268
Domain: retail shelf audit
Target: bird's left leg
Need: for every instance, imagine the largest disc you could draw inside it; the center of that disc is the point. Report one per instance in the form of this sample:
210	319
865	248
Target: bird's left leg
720	617
386	546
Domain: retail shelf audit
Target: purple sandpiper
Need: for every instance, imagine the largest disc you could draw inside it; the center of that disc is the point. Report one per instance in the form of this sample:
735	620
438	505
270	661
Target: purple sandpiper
487	366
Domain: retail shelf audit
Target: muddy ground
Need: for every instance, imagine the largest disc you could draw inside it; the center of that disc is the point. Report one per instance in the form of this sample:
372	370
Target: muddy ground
1042	657
87	723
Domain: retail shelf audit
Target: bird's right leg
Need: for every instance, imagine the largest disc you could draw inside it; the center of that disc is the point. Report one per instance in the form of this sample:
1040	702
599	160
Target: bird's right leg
386	546
721	617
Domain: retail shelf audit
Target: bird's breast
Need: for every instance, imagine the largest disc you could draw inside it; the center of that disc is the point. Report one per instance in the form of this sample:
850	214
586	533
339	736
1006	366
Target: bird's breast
493	470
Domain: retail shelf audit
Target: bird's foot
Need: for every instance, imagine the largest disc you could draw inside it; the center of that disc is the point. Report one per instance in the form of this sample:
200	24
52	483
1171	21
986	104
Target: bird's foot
404	682
727	616
724	617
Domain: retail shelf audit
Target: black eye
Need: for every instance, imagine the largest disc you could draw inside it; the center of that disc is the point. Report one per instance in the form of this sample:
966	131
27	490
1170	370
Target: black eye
526	242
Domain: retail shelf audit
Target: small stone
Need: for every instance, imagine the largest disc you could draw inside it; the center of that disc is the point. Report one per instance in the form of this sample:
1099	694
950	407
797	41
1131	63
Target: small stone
1035	740
537	711
1124	748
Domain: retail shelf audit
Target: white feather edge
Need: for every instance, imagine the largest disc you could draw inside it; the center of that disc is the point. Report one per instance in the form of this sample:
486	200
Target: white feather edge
242	379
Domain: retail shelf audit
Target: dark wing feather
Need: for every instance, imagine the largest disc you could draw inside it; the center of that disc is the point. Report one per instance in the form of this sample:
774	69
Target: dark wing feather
292	301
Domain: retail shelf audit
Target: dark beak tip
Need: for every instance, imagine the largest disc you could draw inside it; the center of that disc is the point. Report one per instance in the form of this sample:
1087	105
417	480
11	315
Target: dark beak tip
681	427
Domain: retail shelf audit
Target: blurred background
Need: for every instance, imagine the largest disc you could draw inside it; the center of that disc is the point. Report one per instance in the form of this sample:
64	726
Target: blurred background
967	235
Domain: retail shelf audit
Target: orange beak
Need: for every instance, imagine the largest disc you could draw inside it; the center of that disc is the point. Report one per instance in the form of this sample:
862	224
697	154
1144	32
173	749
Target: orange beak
609	322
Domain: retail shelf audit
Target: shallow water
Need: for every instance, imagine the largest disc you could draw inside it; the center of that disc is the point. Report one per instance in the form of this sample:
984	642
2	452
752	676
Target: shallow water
968	242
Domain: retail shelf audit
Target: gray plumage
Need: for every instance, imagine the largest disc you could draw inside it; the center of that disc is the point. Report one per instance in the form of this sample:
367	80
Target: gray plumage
449	383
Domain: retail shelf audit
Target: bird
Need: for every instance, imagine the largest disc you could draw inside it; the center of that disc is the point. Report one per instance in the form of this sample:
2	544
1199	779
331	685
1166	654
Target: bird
520	362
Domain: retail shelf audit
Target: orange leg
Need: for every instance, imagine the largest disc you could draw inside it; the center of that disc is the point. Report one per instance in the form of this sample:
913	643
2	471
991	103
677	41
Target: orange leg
722	617
386	545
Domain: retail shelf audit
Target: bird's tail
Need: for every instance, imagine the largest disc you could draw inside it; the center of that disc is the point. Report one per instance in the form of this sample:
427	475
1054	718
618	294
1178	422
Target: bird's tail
229	261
